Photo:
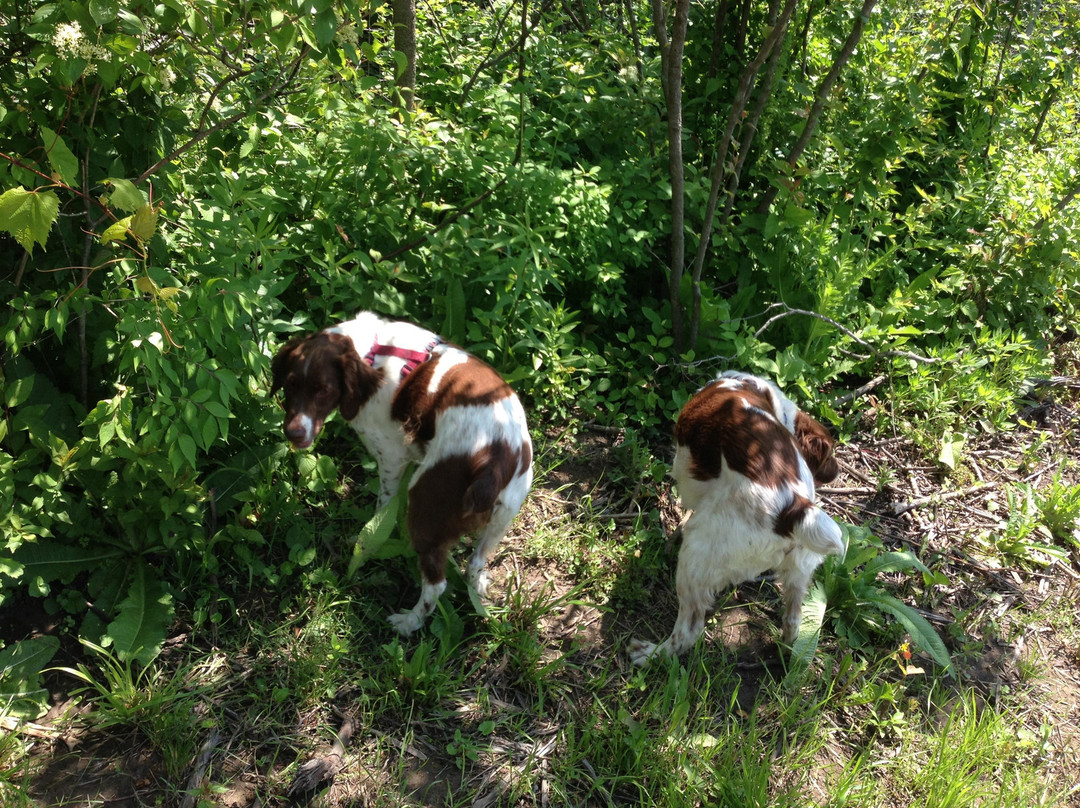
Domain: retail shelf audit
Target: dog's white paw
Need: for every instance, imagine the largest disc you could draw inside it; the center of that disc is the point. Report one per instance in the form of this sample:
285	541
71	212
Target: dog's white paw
480	581
640	651
404	623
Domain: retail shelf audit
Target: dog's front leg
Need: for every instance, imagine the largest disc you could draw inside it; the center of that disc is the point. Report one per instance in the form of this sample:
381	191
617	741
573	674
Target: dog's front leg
392	459
688	627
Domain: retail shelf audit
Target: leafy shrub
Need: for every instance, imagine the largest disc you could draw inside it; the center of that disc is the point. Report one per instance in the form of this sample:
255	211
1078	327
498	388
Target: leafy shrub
857	605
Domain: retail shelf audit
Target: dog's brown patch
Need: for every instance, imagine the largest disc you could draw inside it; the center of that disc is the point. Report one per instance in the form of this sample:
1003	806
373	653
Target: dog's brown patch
817	447
471	383
437	513
721	424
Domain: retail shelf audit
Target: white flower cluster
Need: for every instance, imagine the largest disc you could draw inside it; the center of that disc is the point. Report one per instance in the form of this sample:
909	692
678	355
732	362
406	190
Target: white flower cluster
347	34
71	44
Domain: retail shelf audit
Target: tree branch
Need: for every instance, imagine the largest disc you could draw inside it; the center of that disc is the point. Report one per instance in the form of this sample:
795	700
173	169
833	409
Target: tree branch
444	223
1062	203
823	91
671	54
788	311
738	104
277	89
490	61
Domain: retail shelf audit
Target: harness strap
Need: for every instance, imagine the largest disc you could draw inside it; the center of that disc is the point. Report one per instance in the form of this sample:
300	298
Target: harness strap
412	358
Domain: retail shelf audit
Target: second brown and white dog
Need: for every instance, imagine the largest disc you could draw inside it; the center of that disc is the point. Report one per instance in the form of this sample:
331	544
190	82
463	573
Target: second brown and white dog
414	398
746	461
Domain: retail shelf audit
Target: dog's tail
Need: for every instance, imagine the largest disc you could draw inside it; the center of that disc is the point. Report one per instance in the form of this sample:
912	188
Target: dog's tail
810	526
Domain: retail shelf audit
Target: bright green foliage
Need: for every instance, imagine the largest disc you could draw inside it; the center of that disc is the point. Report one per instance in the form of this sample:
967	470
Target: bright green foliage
859	605
28	215
185	185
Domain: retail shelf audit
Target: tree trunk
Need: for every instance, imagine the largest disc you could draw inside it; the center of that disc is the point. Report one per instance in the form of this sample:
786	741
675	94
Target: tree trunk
671	54
749	128
718	38
405	43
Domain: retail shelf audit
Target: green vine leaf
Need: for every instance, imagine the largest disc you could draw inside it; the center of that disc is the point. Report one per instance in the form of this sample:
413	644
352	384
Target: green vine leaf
28	215
124	194
144	223
116	231
61	159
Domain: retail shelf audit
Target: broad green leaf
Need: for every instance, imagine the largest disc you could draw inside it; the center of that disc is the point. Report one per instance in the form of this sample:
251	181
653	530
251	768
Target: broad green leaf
374	534
897	561
951	447
125	195
805	645
131	22
325	26
106	433
50	562
27	658
61	159
187	446
104	11
209	432
797	216
139	630
116	231
454	324
21	694
144	223
922	633
28	215
18	390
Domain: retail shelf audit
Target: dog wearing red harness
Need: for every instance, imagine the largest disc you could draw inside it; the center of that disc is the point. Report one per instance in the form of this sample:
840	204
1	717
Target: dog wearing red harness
414	398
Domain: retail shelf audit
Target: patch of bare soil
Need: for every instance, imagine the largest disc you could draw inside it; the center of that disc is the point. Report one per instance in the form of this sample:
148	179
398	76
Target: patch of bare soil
999	619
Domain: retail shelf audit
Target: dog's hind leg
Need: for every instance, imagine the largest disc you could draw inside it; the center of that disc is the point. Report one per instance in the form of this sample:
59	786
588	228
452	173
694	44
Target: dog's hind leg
700	574
432	560
795	574
506	508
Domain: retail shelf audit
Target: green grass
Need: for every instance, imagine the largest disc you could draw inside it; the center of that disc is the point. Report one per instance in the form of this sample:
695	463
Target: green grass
536	703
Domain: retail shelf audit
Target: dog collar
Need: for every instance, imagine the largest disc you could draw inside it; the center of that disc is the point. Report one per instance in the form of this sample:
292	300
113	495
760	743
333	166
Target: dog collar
412	358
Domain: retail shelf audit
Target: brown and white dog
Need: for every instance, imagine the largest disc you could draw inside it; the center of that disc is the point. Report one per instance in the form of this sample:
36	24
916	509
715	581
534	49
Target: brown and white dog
414	398
746	460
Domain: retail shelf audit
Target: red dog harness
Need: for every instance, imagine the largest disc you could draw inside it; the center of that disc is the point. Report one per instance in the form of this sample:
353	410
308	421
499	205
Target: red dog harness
412	358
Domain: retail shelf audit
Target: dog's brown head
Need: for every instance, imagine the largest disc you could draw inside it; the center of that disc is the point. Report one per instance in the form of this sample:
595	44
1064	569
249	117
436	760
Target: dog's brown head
816	446
318	374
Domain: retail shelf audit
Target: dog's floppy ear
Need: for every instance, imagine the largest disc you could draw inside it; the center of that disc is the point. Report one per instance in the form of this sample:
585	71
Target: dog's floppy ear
279	365
816	446
359	381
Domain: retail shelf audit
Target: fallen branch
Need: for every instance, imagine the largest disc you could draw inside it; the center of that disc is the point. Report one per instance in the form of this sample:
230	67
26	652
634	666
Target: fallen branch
902	508
191	792
325	764
858	392
9	724
1057	381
